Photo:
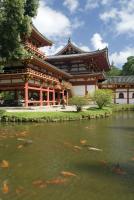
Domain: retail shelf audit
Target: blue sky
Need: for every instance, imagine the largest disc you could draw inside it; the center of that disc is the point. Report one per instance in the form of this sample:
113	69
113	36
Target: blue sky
91	24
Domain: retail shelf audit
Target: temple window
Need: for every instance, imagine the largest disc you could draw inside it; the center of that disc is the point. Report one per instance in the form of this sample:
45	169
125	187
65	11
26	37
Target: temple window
121	95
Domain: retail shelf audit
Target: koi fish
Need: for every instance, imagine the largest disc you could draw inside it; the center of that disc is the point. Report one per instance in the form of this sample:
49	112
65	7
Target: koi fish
77	147
83	141
56	181
39	183
94	149
4	164
5	187
65	173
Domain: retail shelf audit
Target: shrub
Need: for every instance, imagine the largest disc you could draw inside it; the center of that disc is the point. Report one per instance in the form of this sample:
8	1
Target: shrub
78	101
103	97
2	112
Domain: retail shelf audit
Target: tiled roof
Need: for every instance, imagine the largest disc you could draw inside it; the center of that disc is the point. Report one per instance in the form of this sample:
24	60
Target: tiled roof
119	80
77	55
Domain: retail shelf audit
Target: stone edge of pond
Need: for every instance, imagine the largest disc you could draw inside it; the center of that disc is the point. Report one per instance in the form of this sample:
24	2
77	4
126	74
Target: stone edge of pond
76	116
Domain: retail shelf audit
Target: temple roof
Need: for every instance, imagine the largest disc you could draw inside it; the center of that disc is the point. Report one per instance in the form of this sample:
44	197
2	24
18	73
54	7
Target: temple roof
119	80
35	60
100	57
42	40
70	48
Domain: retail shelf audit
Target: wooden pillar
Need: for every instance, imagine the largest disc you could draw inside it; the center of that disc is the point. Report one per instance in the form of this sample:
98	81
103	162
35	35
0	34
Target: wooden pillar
54	97
96	84
67	97
41	97
26	94
86	90
58	96
114	93
48	100
127	95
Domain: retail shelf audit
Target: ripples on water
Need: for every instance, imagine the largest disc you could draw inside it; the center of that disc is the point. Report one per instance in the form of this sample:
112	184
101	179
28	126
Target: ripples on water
38	154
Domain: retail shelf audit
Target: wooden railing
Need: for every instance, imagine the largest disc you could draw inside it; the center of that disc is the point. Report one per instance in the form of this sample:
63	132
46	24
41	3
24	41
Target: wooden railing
34	73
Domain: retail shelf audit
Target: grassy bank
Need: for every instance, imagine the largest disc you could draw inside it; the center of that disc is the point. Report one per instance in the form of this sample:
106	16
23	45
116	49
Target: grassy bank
55	116
92	113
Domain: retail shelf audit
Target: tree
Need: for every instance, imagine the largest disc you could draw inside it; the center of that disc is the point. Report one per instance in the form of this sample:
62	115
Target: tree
78	101
15	27
128	67
103	97
115	71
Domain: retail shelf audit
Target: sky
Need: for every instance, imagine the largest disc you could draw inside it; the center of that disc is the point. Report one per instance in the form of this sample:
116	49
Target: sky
91	25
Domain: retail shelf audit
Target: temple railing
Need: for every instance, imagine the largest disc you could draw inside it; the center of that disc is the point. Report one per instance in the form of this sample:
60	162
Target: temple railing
30	47
40	75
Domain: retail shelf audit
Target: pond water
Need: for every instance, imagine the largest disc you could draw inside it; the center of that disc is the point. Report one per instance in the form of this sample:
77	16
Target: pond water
41	158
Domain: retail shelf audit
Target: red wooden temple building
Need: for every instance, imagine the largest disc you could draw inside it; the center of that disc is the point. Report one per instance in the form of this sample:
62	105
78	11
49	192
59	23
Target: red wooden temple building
42	80
87	69
34	81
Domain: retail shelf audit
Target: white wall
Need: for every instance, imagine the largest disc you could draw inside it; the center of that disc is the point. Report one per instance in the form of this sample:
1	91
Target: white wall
91	89
78	90
124	101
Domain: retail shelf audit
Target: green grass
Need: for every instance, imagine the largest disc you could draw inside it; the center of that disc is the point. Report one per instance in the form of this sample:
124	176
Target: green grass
91	113
56	116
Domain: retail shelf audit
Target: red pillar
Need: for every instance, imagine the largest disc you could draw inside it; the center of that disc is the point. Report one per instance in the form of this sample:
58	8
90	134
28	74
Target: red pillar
26	94
53	97
58	96
48	103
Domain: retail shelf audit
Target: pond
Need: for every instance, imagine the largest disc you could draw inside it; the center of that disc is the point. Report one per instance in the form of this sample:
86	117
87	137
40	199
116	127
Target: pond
68	161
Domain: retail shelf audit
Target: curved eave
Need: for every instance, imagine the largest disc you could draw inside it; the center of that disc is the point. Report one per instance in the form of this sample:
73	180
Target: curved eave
39	62
41	38
100	56
70	44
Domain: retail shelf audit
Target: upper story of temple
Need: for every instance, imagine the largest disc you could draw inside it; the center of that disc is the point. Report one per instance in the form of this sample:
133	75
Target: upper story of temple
77	62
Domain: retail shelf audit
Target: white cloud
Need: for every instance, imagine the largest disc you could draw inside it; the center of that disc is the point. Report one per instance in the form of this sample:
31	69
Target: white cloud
106	16
119	58
72	5
77	23
92	4
51	22
52	50
121	17
97	42
85	48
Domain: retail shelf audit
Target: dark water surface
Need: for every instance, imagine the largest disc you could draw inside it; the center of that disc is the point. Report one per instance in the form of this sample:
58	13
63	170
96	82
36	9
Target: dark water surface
56	147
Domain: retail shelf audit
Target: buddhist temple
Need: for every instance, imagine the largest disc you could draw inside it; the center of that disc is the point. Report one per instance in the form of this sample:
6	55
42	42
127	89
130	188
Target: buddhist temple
34	81
87	69
44	80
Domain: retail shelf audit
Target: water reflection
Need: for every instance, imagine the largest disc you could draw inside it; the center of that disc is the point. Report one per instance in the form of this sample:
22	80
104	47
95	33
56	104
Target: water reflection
56	163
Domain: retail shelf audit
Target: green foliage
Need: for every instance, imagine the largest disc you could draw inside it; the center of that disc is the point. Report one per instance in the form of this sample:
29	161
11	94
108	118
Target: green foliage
78	102
15	26
2	112
128	67
31	7
115	71
103	97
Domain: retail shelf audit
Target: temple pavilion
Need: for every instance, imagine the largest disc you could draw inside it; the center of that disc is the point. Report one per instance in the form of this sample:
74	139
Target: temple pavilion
34	81
87	69
41	80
